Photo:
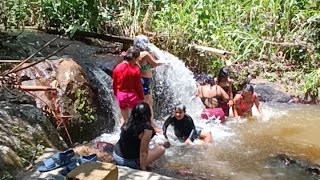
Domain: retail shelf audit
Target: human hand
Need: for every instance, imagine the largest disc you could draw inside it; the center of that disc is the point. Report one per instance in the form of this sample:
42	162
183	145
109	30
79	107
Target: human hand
157	130
188	142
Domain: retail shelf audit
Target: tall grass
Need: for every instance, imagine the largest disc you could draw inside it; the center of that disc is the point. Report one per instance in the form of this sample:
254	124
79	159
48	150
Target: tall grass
269	32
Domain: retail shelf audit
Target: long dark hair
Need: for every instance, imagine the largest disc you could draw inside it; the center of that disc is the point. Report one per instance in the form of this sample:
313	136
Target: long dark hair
139	117
132	53
224	72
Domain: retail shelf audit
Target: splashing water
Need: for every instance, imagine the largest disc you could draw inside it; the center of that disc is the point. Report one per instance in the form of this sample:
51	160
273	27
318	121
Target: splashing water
240	147
174	84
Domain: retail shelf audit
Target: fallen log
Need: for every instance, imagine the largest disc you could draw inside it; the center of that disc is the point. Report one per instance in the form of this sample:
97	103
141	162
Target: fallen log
212	51
126	41
37	62
24	61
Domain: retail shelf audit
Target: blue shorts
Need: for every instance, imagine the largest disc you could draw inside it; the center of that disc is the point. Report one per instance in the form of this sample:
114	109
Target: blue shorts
146	82
131	163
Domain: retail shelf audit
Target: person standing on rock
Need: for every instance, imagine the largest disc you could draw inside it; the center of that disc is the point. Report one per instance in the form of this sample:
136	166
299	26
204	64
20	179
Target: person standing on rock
146	63
126	83
132	149
244	101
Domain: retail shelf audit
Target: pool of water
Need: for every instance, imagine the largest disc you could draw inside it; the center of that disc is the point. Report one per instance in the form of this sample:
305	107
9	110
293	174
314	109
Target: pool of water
246	149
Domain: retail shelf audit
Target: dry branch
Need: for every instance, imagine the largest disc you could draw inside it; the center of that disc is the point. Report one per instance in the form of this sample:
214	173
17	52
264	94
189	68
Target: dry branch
37	62
24	61
212	51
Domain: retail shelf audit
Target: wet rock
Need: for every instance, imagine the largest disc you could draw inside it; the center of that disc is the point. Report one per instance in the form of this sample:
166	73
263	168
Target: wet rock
74	99
107	63
268	93
25	131
310	169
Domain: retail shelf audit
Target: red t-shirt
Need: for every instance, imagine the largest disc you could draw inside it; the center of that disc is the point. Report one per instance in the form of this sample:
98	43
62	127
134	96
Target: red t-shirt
126	78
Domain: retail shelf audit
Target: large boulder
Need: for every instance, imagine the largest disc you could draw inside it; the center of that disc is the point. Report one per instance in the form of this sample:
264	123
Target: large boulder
73	102
25	131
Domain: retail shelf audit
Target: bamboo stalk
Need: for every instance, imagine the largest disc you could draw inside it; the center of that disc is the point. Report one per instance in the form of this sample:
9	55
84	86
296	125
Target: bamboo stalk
10	61
24	61
37	88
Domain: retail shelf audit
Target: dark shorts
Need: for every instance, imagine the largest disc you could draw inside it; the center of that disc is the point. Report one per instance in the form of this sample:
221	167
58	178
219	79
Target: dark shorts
132	163
197	136
146	82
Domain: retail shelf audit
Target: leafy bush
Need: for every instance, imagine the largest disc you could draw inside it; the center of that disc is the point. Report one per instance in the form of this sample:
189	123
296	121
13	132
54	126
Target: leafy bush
84	107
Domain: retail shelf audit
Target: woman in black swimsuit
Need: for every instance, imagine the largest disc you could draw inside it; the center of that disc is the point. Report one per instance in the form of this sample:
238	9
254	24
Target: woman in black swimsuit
212	96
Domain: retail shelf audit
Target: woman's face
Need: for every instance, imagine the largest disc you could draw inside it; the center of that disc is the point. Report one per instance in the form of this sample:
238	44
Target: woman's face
179	114
246	93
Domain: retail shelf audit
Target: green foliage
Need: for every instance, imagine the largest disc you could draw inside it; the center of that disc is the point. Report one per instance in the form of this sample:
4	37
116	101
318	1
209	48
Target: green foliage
286	31
83	106
28	152
6	176
312	83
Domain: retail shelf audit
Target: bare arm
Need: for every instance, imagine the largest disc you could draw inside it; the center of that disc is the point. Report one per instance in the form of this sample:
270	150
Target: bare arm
235	104
152	61
258	105
145	140
225	96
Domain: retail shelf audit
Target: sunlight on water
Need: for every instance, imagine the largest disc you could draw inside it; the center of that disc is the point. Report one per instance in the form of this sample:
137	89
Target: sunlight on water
242	149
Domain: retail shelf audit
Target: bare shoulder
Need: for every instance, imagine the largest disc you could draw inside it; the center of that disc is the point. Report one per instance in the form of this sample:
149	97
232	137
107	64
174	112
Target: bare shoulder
143	54
237	96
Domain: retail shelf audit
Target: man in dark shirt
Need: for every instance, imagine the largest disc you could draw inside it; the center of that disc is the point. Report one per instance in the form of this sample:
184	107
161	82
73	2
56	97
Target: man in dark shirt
184	127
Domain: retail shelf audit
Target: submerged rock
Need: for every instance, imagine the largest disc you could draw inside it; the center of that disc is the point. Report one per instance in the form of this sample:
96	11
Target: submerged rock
312	169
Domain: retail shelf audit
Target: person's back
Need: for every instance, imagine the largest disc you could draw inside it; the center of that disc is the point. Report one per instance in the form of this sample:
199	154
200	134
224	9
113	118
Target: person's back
129	143
132	149
212	96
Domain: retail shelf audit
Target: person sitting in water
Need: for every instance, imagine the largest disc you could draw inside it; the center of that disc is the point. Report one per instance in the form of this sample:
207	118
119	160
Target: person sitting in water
224	81
184	128
212	95
126	83
132	148
244	101
146	62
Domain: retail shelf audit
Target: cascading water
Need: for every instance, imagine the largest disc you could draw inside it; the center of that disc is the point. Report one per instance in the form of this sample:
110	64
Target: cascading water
110	108
174	84
240	149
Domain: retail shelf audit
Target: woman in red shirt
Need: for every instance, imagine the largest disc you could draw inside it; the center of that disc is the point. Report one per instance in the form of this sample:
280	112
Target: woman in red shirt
126	84
244	102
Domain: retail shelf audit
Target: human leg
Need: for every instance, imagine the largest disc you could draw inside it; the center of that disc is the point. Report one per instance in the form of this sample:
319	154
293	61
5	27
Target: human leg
206	136
155	153
125	115
132	163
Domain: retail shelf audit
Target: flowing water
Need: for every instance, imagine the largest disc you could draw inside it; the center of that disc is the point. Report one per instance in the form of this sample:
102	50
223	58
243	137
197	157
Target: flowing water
242	149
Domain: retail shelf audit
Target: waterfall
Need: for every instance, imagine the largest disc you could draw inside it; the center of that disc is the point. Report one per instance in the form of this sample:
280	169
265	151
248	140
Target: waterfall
174	84
108	103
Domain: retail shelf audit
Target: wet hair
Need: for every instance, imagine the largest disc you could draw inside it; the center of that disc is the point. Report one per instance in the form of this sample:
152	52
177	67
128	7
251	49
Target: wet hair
141	42
181	107
140	115
248	87
224	72
132	53
209	79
